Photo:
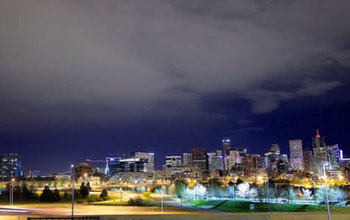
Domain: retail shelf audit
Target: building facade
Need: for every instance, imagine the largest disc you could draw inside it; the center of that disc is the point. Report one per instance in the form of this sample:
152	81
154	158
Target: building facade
11	166
296	155
173	161
319	149
187	158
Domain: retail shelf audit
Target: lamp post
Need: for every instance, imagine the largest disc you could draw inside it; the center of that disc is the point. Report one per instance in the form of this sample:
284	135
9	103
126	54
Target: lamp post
11	191
72	167
325	182
162	201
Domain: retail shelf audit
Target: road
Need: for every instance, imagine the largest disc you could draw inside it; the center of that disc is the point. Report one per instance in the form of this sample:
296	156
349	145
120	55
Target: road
65	210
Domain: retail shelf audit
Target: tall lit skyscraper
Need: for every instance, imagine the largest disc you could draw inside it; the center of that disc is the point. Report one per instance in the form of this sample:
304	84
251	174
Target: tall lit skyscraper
319	149
215	161
296	155
333	156
187	158
200	159
226	146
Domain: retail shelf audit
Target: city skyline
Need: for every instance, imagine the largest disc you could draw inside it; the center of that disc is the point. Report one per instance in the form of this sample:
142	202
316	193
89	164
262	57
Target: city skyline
294	154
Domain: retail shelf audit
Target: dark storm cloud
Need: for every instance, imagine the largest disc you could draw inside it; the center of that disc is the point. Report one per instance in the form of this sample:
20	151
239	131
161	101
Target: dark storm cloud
175	74
123	58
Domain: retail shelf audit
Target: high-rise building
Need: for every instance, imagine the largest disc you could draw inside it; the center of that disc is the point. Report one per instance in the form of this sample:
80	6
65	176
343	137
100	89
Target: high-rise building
226	146
173	161
271	158
275	148
149	160
215	161
232	158
200	159
251	164
296	155
11	165
333	156
308	160
187	158
319	149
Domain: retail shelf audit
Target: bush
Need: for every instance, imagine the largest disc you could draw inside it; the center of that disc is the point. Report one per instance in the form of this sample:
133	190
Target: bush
48	196
146	195
104	194
137	201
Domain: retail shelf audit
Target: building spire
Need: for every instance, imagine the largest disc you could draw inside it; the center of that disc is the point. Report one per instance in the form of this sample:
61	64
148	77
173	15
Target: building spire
318	133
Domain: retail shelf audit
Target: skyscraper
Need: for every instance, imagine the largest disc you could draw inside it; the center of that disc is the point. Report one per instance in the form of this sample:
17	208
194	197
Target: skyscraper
149	160
308	160
215	161
296	155
271	158
200	159
319	149
11	165
187	158
333	156
226	146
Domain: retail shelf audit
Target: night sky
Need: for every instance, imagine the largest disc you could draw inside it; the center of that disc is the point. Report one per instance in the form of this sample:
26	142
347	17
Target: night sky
83	79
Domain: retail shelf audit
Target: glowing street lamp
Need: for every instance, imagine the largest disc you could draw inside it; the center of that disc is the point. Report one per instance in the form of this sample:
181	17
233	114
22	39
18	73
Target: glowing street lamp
11	191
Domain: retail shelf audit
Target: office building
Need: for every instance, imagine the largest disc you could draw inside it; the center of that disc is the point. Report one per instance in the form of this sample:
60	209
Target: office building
200	159
308	160
226	146
333	156
11	165
173	161
296	155
187	158
148	159
215	161
319	149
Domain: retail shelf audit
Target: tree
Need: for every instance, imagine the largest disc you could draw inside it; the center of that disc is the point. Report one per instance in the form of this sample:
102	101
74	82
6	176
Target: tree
239	181
84	192
199	191
48	196
291	194
180	188
321	193
243	190
88	186
307	194
338	194
104	194
253	193
28	193
214	188
57	194
231	191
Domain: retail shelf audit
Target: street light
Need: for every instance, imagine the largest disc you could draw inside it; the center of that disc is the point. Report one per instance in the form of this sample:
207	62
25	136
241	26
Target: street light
72	167
11	191
325	182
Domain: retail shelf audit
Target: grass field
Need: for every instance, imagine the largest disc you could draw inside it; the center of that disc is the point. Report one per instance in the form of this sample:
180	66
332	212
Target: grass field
244	206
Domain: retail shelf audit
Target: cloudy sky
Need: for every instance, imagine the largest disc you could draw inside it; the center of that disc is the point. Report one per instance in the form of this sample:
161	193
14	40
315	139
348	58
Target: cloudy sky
82	79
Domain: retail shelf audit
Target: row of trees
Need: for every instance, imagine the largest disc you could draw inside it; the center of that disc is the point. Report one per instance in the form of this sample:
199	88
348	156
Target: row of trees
251	191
